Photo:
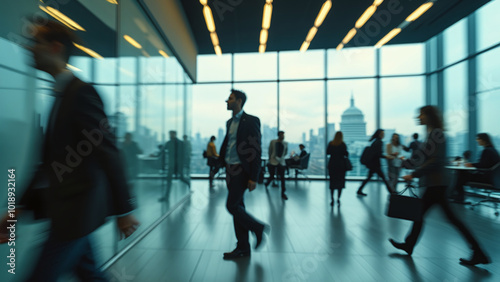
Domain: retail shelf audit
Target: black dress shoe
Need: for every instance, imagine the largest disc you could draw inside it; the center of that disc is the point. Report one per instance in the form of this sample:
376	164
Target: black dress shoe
237	253
477	258
402	246
284	196
259	236
361	193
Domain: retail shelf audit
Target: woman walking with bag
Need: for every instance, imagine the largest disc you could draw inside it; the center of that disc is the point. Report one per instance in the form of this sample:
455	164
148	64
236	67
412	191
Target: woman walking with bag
432	175
374	163
394	159
337	168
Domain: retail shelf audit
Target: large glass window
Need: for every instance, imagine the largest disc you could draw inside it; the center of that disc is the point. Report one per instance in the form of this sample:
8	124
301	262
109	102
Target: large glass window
351	62
456	108
255	66
488	33
400	99
213	68
402	59
455	42
351	109
302	118
298	65
488	115
488	70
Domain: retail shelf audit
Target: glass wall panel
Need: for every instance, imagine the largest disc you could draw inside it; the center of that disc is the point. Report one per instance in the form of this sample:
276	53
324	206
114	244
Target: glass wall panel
209	118
402	59
400	99
351	62
488	115
455	42
213	68
488	33
351	109
488	70
255	66
456	108
298	65
302	114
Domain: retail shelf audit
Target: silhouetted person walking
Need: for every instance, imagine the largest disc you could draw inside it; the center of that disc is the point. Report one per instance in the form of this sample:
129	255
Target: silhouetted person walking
212	160
374	163
432	174
337	150
241	154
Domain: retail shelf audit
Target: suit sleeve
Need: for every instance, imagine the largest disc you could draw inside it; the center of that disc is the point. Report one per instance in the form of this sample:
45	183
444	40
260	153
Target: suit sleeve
435	150
92	119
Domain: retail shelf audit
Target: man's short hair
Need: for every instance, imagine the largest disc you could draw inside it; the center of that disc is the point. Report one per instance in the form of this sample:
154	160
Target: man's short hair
302	146
238	94
415	136
281	132
54	31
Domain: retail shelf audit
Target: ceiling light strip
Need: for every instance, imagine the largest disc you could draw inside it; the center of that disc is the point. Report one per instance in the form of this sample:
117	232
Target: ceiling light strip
90	52
61	17
209	20
266	24
323	12
411	18
367	14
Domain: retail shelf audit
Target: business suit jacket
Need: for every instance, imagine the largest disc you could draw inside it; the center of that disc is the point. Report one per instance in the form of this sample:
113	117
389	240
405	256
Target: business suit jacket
431	170
248	145
376	154
85	174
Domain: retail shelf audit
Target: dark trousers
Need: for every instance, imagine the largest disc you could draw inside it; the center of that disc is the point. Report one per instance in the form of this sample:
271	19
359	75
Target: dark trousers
281	173
379	172
212	172
437	196
464	177
237	181
61	257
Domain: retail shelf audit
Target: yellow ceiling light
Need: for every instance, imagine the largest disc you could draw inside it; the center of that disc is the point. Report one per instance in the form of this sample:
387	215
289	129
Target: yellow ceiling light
365	16
419	11
388	37
215	39
262	48
61	17
263	36
73	68
339	47
203	2
266	16
311	34
349	36
90	52
113	2
269	1
209	19
132	42
377	2
218	51
322	13
304	46
163	53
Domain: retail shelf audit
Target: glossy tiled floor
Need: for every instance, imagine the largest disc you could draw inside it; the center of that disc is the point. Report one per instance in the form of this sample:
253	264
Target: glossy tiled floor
309	240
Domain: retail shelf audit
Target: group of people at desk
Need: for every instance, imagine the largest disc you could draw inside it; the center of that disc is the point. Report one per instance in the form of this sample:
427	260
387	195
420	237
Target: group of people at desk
277	163
478	172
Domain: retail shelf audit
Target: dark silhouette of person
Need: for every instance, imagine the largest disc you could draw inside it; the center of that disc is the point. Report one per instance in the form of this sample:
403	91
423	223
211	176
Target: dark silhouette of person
241	154
337	150
432	174
130	150
212	161
295	159
489	158
80	163
187	150
175	153
374	164
278	149
414	148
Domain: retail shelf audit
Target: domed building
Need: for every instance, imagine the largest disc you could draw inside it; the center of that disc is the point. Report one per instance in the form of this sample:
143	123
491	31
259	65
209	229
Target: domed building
353	124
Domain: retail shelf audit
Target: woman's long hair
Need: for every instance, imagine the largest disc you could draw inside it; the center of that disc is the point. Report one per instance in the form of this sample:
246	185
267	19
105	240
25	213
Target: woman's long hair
376	135
434	117
338	139
486	138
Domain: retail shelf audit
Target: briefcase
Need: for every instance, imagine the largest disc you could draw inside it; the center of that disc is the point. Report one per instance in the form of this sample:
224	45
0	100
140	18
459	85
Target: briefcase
405	207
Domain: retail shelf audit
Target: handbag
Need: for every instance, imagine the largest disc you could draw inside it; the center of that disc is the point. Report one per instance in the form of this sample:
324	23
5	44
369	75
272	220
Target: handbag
405	207
347	164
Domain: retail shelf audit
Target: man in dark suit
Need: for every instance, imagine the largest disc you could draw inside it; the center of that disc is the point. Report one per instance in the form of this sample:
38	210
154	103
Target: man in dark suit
241	154
80	164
